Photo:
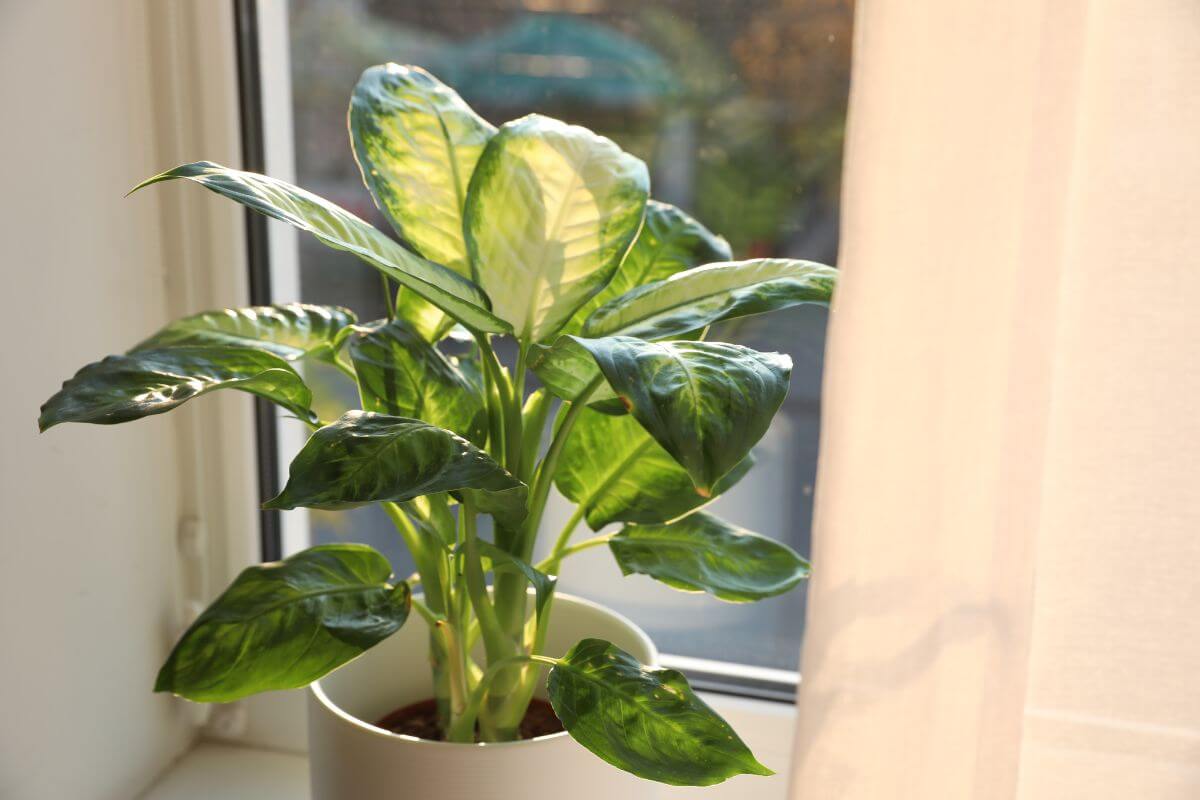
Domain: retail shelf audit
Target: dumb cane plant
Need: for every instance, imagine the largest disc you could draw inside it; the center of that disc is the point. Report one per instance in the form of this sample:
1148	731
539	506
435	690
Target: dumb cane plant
543	232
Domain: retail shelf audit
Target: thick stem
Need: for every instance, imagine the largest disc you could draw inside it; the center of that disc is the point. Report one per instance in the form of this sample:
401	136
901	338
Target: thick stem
545	472
466	722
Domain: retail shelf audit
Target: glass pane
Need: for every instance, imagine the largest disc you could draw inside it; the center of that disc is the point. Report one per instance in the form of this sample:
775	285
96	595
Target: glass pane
738	107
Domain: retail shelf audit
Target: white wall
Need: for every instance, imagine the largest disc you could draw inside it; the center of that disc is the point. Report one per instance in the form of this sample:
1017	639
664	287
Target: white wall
88	574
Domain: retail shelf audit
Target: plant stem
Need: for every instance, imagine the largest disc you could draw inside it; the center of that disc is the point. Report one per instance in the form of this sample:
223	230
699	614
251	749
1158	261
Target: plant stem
426	565
533	425
493	378
495	642
388	299
552	561
465	724
564	535
513	421
545	472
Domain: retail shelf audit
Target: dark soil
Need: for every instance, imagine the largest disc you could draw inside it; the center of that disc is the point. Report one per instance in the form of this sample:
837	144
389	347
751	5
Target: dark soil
421	720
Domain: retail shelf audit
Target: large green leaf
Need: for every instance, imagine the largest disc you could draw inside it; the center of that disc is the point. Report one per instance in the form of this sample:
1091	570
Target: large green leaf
417	143
701	553
365	458
706	403
401	374
341	230
290	331
618	473
645	721
285	624
670	241
551	210
691	300
129	387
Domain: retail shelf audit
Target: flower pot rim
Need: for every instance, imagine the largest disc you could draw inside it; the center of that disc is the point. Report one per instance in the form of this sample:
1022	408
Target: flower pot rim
318	692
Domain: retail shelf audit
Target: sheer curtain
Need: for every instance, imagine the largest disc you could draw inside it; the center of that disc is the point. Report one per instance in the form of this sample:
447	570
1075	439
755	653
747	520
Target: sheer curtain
1007	596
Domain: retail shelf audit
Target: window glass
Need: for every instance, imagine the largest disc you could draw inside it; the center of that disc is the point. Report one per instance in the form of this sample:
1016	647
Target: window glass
738	108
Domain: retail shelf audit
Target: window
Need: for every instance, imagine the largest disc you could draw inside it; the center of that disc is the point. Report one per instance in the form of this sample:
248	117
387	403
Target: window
737	106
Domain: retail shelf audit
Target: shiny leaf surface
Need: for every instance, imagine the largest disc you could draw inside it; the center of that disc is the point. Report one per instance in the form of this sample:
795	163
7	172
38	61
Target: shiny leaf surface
365	458
645	721
693	299
290	331
286	624
706	403
551	210
401	374
618	473
129	387
670	241
417	144
701	553
341	230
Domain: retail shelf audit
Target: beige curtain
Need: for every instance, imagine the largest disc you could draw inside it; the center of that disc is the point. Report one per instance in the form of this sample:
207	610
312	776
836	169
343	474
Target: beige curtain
1007	596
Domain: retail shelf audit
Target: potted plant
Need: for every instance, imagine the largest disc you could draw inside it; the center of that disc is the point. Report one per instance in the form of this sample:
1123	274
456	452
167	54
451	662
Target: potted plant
542	232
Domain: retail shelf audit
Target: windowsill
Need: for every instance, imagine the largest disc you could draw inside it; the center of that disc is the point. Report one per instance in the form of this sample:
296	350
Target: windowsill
231	772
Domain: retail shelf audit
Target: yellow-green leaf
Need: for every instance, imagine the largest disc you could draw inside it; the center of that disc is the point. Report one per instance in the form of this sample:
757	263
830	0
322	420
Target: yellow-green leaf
551	210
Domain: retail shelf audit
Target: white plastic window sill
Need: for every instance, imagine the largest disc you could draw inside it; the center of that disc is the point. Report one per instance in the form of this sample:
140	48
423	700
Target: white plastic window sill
230	772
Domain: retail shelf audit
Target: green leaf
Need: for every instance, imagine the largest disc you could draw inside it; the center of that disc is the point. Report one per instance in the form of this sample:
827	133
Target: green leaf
286	624
706	403
701	553
551	210
618	473
417	143
645	721
129	387
691	300
341	230
401	374
366	458
291	331
670	241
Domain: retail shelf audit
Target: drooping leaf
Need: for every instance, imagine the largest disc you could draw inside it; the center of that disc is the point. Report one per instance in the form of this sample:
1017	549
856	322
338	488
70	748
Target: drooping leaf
693	299
417	144
145	382
365	457
618	473
286	624
706	403
550	211
670	241
645	721
341	230
292	331
701	553
401	374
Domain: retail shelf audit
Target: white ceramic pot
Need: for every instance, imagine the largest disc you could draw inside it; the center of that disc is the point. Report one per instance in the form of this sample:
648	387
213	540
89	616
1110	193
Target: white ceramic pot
351	759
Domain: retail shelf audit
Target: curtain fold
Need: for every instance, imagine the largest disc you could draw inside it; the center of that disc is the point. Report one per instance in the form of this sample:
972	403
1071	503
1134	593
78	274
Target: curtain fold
1007	593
